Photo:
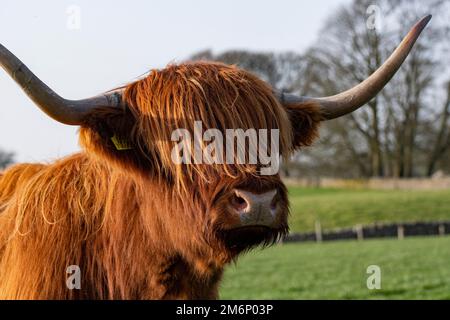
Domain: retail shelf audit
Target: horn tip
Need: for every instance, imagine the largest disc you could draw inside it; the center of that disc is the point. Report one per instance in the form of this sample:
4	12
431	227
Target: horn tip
425	20
417	29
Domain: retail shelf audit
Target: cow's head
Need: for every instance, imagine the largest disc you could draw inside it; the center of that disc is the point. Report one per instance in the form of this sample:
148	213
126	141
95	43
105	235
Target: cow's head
233	202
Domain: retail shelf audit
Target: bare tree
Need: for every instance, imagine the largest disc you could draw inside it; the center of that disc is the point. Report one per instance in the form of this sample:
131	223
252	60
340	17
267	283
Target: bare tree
280	70
350	48
441	144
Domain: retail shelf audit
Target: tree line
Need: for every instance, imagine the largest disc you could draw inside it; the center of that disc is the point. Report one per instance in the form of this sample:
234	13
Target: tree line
6	158
405	131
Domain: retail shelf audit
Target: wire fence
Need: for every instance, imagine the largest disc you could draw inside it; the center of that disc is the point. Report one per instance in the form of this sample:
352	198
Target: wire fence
376	231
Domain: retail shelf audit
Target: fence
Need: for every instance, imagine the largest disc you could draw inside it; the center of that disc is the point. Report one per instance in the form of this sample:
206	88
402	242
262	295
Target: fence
442	183
395	230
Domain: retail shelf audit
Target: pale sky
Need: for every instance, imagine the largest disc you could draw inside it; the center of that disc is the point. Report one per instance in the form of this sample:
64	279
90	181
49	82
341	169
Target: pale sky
119	41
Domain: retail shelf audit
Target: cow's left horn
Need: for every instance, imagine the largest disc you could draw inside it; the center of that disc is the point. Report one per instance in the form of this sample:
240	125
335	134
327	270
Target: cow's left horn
71	112
346	102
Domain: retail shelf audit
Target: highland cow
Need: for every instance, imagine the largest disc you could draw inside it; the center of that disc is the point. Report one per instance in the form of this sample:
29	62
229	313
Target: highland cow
137	224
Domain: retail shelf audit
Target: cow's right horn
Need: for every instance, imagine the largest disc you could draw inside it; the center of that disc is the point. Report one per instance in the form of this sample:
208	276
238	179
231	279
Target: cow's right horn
71	112
346	102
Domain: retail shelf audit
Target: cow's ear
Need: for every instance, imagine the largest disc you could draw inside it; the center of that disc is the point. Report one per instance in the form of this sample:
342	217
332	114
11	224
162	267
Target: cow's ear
305	119
110	135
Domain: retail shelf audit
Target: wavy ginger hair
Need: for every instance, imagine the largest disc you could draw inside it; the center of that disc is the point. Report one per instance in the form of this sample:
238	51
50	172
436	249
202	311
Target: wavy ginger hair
138	225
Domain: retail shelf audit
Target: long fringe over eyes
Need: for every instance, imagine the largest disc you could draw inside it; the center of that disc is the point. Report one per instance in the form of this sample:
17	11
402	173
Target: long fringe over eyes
221	97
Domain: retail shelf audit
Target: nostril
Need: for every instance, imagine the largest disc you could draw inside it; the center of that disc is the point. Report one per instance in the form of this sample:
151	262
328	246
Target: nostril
239	203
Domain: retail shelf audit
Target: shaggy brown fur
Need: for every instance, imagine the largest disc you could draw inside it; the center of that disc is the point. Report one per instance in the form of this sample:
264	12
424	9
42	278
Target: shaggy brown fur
139	226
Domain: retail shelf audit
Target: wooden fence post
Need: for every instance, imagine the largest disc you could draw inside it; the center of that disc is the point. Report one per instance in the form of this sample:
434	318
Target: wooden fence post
400	232
318	228
442	230
359	232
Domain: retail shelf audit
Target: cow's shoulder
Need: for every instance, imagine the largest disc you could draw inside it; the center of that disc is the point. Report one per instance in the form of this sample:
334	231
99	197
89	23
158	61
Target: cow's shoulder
33	176
16	177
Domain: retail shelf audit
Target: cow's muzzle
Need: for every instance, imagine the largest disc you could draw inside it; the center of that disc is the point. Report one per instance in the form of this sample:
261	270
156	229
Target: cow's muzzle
256	209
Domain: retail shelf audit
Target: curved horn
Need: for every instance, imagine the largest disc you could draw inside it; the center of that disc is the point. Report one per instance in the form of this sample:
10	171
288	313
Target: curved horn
346	102
69	112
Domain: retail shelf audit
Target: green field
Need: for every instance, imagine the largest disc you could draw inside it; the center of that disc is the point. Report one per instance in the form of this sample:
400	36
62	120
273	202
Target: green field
414	268
337	208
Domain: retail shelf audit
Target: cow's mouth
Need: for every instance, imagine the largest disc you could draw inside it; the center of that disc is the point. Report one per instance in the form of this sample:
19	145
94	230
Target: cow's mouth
246	237
256	227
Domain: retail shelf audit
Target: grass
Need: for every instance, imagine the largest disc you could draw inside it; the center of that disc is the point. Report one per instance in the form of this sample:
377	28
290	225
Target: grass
414	268
338	208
